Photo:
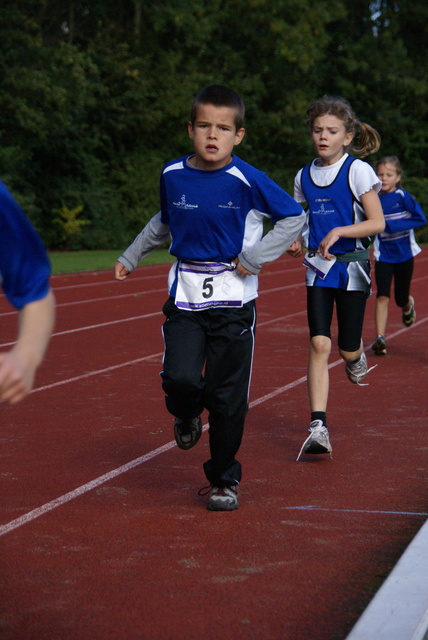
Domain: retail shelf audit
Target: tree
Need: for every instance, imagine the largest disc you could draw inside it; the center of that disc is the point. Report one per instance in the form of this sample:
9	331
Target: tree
96	95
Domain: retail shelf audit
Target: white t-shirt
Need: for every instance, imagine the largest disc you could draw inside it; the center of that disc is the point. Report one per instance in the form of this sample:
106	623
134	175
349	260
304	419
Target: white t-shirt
362	177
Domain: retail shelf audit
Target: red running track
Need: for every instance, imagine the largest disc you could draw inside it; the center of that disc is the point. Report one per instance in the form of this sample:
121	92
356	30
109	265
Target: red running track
104	536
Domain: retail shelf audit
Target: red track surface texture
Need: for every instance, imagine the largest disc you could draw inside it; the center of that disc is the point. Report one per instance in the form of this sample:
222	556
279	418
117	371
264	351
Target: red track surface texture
104	536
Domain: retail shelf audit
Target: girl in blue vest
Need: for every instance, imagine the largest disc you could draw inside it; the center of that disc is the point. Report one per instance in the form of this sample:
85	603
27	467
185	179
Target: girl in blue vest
395	248
343	211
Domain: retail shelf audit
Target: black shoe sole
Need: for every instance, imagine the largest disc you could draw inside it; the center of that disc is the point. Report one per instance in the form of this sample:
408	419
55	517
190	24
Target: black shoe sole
196	434
231	507
315	449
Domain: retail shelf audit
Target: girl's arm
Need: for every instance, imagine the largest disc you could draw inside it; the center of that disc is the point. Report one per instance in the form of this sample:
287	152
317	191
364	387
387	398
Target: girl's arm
375	223
413	219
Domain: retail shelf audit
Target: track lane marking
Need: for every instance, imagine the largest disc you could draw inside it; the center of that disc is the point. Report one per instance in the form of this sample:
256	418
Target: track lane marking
311	507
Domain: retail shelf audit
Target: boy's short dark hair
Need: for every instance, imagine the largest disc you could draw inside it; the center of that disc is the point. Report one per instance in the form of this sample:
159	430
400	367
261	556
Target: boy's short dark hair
220	96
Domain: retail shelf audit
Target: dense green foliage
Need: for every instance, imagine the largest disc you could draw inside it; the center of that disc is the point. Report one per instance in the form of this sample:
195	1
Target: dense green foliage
96	95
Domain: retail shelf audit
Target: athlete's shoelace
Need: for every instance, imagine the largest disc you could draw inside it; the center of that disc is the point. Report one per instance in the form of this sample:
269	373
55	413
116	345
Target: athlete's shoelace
204	490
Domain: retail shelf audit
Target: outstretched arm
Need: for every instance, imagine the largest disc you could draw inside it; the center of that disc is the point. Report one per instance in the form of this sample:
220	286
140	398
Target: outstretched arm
154	234
274	243
19	365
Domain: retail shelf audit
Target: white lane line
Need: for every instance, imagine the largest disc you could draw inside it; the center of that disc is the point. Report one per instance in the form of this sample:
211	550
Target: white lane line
49	506
95	326
110	281
310	507
98	372
136	294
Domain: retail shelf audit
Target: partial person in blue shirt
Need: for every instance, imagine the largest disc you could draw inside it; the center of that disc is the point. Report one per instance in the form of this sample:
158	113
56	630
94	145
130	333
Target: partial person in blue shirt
24	272
395	248
213	205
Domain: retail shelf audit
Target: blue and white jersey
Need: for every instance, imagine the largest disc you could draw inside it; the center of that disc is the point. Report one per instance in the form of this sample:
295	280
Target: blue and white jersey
214	216
332	194
402	214
24	264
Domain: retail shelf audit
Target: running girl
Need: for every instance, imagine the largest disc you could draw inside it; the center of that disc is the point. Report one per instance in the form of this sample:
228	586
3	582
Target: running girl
395	248
343	211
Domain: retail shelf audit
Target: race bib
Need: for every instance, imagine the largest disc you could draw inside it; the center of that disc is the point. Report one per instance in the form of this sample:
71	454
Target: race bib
202	285
318	263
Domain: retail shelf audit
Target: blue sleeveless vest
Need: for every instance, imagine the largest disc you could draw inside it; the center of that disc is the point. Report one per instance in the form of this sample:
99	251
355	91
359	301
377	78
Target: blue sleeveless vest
330	206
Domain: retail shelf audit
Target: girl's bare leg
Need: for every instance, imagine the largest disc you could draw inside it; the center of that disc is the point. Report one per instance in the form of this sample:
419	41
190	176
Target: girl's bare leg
318	376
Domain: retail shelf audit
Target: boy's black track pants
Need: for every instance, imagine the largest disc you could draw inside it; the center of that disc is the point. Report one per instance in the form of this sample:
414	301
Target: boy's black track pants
207	364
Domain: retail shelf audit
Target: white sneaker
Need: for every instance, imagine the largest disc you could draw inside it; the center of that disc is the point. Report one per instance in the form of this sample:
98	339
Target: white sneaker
357	371
223	499
317	441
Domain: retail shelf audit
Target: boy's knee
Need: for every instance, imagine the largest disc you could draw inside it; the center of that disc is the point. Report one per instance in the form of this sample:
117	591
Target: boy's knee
180	387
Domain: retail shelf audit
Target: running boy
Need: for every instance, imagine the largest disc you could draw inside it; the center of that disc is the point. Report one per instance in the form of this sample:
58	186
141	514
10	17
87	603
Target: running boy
213	205
343	212
395	248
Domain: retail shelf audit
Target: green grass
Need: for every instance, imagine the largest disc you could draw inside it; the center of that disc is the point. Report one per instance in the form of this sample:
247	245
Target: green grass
74	261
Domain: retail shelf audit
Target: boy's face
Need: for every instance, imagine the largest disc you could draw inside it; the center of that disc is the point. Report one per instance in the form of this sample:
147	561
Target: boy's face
214	135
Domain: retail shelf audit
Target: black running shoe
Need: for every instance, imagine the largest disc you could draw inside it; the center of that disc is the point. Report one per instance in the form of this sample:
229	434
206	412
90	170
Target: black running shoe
409	316
187	431
379	346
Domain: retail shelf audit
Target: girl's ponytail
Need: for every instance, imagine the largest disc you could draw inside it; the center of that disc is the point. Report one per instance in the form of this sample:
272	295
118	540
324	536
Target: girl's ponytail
368	139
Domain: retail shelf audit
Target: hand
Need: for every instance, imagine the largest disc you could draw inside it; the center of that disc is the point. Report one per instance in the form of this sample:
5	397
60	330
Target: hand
295	249
17	373
19	365
120	272
325	244
242	271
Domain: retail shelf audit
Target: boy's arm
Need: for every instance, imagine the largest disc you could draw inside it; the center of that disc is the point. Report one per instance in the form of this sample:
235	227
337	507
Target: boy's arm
274	243
295	250
154	234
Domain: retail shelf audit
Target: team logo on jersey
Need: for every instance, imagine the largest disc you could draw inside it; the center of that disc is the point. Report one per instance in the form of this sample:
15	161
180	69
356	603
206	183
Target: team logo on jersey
322	211
182	204
229	205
